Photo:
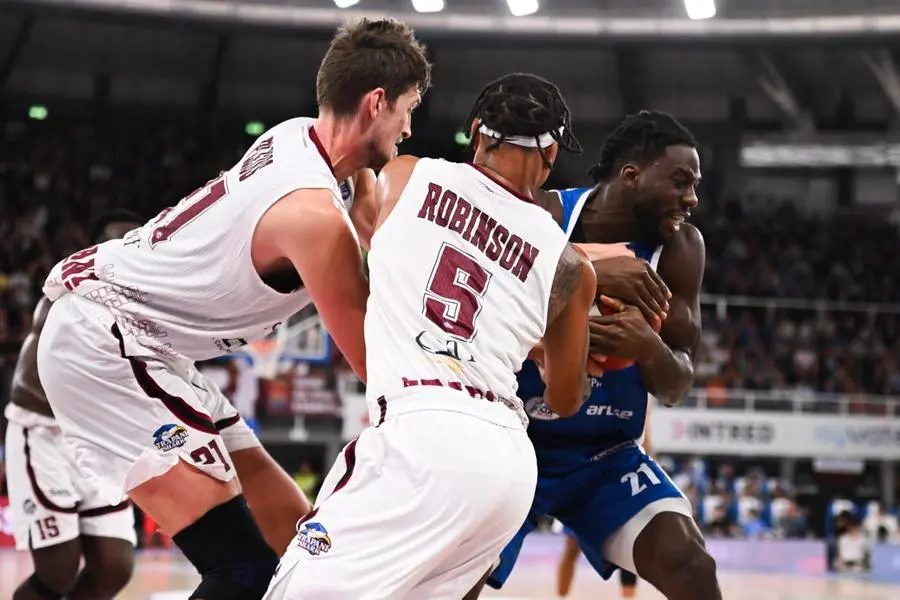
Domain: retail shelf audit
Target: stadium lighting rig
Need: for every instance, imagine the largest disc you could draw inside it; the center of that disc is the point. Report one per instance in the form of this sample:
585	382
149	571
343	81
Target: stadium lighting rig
521	8
428	6
346	3
699	9
518	8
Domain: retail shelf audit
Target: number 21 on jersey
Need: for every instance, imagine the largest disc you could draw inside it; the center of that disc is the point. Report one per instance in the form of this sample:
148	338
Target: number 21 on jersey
172	219
455	292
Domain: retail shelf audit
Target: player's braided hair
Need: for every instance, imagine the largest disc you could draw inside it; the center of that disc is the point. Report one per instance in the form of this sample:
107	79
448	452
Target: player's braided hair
640	138
522	104
113	215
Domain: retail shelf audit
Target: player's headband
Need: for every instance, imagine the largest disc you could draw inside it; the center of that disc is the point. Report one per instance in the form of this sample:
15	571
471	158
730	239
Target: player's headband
544	140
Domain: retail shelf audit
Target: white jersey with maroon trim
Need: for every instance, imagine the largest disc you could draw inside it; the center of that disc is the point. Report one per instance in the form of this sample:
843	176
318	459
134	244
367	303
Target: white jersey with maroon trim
184	284
461	273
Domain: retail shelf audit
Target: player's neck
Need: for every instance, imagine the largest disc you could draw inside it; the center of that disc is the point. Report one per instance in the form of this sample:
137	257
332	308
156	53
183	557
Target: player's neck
499	167
610	218
340	140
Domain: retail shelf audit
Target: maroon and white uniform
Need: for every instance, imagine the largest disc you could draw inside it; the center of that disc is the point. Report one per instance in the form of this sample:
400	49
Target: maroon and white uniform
130	317
421	504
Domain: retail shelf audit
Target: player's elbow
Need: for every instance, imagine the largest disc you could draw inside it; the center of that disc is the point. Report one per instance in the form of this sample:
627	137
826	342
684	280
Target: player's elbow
566	407
672	395
565	402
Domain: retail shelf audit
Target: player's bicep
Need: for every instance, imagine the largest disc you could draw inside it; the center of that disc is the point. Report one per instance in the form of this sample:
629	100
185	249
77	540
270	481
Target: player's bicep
318	241
682	268
566	345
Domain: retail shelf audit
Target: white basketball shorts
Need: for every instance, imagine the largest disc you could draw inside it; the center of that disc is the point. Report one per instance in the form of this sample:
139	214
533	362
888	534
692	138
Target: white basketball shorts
49	501
130	419
418	507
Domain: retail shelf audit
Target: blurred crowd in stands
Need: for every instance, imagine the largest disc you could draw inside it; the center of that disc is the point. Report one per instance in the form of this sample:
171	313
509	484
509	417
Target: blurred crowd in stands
53	178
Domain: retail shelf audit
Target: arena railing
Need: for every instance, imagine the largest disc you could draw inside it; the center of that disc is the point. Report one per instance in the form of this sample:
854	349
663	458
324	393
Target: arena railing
793	401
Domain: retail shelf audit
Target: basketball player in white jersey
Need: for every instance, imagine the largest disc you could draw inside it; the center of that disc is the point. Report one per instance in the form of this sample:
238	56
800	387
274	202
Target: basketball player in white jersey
466	274
222	268
56	516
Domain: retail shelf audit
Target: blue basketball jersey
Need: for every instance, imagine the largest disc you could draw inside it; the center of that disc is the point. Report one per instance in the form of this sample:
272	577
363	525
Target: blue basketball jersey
615	412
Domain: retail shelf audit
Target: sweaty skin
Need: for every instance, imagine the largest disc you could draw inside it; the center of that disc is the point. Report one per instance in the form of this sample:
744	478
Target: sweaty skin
667	362
26	387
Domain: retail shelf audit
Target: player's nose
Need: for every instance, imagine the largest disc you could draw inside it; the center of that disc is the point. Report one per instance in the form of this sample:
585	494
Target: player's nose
690	200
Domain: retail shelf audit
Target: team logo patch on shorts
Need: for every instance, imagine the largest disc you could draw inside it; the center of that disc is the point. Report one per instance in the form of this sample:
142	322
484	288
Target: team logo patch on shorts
314	538
168	437
540	410
29	506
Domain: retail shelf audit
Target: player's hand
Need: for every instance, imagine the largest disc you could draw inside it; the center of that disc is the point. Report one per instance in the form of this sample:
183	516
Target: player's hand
625	333
633	281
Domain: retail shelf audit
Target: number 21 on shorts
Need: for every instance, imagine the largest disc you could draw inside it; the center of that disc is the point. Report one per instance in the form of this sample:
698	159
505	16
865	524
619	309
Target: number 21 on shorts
634	478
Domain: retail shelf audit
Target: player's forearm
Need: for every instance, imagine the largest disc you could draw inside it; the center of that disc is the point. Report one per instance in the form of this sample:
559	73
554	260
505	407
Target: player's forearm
668	374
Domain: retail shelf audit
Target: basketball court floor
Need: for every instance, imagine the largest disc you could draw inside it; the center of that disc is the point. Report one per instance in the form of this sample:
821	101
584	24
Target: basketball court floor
164	575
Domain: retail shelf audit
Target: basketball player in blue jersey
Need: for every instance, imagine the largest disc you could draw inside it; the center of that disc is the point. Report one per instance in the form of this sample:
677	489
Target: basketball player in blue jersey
592	474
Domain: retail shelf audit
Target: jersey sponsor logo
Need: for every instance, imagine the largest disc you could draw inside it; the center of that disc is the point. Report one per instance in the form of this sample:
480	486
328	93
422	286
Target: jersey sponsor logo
29	506
605	410
314	538
441	347
230	344
540	410
170	436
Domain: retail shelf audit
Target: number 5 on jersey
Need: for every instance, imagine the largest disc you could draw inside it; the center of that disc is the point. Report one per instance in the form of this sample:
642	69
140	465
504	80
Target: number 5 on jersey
455	292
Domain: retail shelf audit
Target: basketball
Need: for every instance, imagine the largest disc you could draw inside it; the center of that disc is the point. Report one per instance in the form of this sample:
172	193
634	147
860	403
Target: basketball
612	363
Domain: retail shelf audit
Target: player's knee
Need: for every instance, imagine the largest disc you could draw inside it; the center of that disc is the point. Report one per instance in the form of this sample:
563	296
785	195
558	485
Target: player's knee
56	568
227	548
690	561
110	572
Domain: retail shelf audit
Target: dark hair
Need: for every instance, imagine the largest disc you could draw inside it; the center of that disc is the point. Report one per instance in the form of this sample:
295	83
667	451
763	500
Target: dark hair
640	138
522	104
369	54
114	215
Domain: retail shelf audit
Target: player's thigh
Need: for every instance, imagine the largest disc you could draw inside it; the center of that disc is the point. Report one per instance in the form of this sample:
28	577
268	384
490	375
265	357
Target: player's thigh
130	421
666	507
43	498
614	506
236	433
502	510
671	546
108	559
397	518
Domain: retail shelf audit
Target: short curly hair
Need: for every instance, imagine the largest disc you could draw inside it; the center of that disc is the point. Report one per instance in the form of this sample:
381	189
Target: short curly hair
640	138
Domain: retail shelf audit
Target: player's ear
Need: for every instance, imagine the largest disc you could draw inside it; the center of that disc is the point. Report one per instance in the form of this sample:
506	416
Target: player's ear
629	175
374	102
474	135
551	152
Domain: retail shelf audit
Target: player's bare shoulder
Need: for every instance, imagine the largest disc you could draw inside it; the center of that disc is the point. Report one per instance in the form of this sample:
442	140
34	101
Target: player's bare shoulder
683	259
574	272
395	175
390	184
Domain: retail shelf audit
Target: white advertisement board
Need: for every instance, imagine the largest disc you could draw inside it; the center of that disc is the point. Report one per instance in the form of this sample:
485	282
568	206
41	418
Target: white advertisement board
691	430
